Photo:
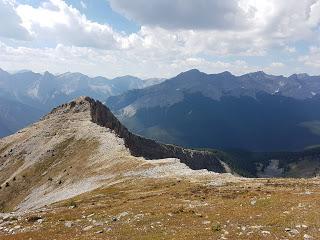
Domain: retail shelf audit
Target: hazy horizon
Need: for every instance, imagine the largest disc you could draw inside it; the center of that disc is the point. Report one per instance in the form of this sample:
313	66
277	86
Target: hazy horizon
187	70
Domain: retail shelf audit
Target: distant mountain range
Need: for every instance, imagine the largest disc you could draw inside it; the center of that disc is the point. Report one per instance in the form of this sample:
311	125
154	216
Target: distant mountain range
26	95
255	111
79	172
15	115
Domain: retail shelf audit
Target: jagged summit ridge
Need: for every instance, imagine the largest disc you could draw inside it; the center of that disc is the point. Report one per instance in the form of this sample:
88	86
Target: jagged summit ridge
94	109
86	107
80	104
42	162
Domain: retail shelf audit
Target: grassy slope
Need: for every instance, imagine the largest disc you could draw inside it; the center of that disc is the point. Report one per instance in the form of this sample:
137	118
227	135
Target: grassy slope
172	209
64	160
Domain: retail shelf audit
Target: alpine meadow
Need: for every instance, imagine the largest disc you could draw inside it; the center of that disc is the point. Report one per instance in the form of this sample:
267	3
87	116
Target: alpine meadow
159	119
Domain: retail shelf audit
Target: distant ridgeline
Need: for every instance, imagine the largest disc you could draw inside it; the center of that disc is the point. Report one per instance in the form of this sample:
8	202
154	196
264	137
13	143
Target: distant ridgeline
256	111
303	164
31	95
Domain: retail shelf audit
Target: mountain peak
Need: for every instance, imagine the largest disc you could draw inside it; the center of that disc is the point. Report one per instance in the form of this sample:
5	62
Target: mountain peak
125	77
85	108
80	104
226	73
256	75
299	75
84	98
72	75
47	75
192	72
81	100
259	73
3	71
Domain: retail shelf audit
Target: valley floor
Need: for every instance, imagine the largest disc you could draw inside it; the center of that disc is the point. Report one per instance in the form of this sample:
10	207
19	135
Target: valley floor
184	208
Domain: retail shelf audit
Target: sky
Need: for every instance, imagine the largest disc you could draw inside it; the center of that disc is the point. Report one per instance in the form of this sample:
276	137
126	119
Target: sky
153	38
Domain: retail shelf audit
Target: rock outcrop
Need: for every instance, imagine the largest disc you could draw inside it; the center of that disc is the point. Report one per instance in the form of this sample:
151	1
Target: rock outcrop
139	146
80	146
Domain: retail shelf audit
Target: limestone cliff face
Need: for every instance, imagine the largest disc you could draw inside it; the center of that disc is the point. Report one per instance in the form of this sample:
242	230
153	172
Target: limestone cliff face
139	146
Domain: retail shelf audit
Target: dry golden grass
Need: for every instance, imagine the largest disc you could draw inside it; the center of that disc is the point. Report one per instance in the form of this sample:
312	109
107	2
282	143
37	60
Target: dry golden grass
179	209
51	165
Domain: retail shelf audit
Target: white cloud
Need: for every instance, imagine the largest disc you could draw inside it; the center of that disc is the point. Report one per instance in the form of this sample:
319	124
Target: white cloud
10	24
279	19
109	63
261	26
277	65
314	16
55	22
279	68
161	42
64	39
83	5
313	57
290	49
187	14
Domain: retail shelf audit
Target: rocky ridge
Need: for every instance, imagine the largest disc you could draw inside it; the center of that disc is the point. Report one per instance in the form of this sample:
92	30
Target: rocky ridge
139	146
81	146
67	177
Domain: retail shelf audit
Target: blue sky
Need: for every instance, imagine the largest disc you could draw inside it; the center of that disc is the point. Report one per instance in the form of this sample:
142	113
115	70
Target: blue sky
99	11
152	38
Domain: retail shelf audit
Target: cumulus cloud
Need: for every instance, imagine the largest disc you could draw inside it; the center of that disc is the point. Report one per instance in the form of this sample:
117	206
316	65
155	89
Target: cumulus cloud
290	49
56	22
294	20
186	14
175	35
312	59
257	26
94	62
271	18
83	4
11	23
277	65
190	42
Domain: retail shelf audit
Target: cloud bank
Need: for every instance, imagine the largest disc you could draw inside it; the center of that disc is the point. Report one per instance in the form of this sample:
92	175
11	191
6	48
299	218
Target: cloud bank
281	37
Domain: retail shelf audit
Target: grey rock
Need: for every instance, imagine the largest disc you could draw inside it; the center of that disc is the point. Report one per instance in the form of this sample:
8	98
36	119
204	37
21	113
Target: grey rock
68	224
87	228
